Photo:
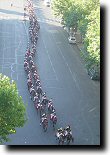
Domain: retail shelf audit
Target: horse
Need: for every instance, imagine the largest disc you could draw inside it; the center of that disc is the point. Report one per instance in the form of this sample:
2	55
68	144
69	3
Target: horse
53	118
44	122
39	91
29	76
29	83
50	107
33	68
39	107
27	69
69	138
35	76
32	92
59	137
25	63
44	100
36	99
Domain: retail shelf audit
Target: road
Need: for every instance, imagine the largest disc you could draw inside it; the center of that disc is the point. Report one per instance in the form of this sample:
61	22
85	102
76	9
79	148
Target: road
63	77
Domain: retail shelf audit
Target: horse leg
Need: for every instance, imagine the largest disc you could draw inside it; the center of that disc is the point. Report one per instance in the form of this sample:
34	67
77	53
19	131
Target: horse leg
45	128
53	124
68	141
62	141
40	113
59	142
72	139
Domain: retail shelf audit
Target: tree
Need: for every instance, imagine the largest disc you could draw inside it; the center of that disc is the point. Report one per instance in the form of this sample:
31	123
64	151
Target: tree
12	108
72	17
92	39
60	7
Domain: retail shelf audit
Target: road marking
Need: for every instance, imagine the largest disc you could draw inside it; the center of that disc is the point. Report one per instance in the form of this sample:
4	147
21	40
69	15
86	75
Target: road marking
72	74
50	60
86	123
26	32
9	47
51	87
70	46
12	67
3	53
92	109
48	20
7	36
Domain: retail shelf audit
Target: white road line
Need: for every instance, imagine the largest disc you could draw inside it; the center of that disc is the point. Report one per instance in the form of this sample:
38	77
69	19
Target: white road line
20	55
7	58
9	47
87	124
12	67
12	71
72	74
50	79
70	46
50	60
17	76
53	87
20	43
92	109
3	54
8	36
26	32
5	33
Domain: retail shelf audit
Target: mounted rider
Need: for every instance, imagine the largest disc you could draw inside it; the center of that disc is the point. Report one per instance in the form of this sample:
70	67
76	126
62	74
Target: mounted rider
68	130
44	119
39	91
36	99
59	133
53	117
29	83
44	99
50	105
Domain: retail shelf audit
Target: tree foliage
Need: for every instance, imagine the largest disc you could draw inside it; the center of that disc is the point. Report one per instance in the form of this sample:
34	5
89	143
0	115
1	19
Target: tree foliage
85	16
12	109
92	38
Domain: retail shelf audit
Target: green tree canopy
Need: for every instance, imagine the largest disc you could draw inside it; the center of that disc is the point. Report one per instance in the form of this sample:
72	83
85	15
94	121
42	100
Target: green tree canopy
92	39
83	15
12	109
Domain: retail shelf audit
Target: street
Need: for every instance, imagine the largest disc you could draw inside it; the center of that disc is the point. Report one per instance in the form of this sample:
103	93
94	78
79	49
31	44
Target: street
63	77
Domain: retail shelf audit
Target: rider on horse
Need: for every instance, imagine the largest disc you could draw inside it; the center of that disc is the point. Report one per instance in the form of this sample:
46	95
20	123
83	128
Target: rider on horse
44	100
36	99
59	132
68	134
68	129
43	118
53	117
39	91
50	105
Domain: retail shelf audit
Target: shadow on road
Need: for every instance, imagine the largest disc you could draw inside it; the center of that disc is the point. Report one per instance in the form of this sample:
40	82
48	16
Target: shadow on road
11	12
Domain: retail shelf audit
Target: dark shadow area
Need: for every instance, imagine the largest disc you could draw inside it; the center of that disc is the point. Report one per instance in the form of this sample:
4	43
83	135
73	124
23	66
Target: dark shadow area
103	21
11	12
52	147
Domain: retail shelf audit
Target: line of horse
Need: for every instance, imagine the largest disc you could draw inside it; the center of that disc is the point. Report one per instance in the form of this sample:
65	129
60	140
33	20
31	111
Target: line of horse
43	105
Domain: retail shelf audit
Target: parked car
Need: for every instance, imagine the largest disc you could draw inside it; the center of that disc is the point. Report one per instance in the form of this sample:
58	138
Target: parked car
47	3
72	40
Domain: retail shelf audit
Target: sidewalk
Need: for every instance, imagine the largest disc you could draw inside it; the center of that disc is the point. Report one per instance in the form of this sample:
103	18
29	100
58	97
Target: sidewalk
11	9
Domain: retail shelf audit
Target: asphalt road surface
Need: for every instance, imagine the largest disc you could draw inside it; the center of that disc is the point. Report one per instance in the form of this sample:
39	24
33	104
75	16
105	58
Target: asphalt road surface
63	77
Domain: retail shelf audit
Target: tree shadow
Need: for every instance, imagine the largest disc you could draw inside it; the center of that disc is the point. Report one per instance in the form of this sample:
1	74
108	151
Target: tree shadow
11	12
